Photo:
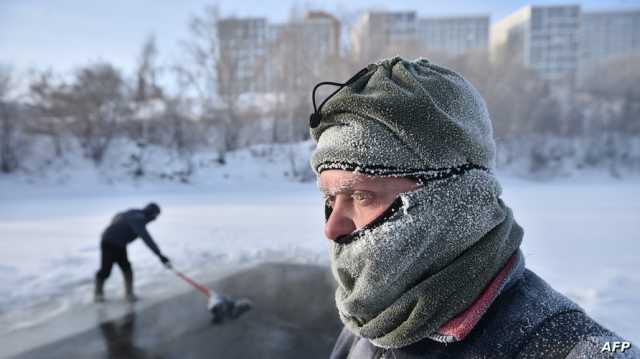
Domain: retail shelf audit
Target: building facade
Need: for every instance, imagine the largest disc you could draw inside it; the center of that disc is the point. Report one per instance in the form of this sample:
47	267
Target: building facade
324	32
454	35
607	35
376	31
243	46
560	43
250	47
542	38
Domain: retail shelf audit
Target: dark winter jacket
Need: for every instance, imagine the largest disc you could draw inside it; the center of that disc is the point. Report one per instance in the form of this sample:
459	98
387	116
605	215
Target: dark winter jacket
126	227
527	320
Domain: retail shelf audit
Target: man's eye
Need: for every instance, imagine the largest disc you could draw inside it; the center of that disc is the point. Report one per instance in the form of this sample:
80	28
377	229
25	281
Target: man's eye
361	197
329	200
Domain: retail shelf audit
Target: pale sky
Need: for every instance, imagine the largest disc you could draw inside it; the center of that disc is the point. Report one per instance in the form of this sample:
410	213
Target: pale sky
63	34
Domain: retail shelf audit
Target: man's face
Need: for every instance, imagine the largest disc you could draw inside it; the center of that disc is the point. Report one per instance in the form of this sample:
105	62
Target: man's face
357	199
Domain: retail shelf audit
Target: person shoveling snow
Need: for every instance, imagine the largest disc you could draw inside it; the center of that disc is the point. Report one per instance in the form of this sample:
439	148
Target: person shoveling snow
124	229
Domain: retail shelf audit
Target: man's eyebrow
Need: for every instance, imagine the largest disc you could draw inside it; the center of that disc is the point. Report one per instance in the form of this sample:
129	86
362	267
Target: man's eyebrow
343	187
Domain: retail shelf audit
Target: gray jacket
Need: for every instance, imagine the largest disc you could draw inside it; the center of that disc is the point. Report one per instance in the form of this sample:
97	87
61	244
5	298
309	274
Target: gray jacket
527	320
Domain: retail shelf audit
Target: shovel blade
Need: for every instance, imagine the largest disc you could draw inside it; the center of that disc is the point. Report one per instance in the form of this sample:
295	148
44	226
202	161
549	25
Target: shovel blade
223	309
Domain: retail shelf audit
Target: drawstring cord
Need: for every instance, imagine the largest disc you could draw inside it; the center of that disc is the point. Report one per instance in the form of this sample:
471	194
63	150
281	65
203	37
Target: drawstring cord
314	119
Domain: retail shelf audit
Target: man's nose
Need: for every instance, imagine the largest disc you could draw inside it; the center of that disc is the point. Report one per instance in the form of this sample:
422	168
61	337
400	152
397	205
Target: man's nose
339	223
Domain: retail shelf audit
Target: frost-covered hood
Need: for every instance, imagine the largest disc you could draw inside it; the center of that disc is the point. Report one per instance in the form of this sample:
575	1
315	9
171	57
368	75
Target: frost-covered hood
404	118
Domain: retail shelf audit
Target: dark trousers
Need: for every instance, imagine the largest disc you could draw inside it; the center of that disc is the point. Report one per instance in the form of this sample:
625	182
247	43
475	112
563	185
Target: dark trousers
111	254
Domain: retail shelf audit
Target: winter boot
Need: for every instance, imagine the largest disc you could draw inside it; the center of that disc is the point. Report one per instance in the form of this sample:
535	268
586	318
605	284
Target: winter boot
128	287
98	293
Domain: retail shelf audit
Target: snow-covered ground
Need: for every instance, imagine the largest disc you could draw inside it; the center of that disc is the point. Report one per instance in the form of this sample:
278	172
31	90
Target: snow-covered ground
581	234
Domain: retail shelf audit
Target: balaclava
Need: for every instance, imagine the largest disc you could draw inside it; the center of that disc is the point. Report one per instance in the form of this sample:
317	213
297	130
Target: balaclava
436	248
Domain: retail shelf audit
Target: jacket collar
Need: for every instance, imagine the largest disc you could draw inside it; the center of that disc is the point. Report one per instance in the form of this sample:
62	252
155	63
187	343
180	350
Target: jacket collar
461	325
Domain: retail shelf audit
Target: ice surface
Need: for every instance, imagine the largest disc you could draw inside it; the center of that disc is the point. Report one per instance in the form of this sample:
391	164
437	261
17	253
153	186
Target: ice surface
293	313
581	235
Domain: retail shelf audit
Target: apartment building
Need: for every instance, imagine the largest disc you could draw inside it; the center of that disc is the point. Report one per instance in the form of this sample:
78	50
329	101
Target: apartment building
249	44
454	35
543	38
243	46
377	30
607	35
324	31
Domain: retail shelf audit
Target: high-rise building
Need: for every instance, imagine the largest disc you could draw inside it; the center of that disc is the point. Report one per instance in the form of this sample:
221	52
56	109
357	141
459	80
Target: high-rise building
323	32
242	46
376	30
454	35
247	46
298	49
606	35
542	38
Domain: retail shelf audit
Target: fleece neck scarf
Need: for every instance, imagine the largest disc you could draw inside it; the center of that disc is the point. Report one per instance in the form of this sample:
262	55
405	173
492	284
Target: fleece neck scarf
434	251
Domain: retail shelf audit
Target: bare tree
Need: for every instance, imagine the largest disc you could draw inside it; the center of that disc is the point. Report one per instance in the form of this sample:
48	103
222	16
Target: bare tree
147	73
49	105
147	105
295	65
9	123
290	81
229	92
99	103
211	72
617	82
91	106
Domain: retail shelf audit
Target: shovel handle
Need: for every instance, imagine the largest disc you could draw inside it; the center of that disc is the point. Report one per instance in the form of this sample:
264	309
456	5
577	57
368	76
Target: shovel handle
197	286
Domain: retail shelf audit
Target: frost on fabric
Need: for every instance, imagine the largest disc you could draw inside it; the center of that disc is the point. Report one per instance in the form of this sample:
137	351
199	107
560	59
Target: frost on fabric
415	119
408	118
437	222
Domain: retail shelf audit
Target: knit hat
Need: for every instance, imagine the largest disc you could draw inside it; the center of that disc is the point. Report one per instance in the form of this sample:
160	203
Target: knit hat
402	118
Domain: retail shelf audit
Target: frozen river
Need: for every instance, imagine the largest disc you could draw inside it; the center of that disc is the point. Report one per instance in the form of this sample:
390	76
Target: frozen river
581	236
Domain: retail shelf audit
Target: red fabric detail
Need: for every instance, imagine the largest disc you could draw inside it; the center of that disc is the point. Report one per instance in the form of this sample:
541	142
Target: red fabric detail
461	325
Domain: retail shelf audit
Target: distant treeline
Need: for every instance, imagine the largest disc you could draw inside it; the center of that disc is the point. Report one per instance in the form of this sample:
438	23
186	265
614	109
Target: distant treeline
196	105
